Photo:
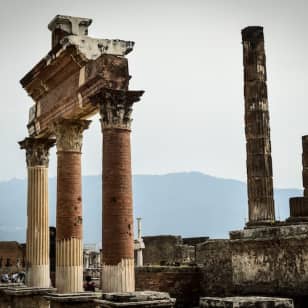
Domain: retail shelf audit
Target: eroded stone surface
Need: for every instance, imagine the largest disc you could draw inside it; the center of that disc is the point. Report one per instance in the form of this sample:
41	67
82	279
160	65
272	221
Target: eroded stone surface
257	129
136	299
274	232
245	302
299	205
73	297
181	282
75	69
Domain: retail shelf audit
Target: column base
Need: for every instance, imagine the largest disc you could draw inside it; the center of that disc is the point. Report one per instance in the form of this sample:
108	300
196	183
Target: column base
260	223
249	301
297	220
38	276
5	300
69	300
277	231
69	279
298	207
145	299
120	277
26	297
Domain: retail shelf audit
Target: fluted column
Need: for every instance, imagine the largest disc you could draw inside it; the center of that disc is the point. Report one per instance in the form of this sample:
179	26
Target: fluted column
305	164
37	246
118	239
299	205
140	244
69	245
257	129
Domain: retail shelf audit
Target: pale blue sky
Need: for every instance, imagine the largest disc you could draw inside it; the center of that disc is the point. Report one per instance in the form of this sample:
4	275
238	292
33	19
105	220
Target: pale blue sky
188	59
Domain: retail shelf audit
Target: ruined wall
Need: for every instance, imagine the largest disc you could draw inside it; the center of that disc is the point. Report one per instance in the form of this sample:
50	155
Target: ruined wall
160	249
271	264
214	259
12	256
180	282
264	261
194	240
66	85
168	250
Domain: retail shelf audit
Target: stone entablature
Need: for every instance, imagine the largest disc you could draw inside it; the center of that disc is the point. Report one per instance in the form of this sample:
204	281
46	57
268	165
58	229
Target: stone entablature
76	68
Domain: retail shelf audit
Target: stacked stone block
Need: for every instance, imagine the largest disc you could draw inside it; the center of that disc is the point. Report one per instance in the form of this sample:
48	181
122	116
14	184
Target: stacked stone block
257	129
299	205
245	302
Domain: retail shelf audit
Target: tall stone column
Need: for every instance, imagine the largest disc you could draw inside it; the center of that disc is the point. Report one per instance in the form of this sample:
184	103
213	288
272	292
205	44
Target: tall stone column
37	247
257	129
140	244
118	239
299	205
69	245
305	164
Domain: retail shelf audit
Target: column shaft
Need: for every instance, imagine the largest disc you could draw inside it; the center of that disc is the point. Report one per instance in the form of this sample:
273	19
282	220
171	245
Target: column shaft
69	265
37	246
257	129
299	205
305	164
37	250
69	244
118	240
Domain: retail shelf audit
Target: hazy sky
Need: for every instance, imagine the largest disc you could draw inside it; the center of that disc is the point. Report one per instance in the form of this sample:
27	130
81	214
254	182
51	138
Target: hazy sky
188	59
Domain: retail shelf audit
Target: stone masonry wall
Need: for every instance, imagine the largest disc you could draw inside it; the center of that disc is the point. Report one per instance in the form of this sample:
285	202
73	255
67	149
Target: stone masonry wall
263	261
11	253
160	249
169	250
271	267
180	282
214	259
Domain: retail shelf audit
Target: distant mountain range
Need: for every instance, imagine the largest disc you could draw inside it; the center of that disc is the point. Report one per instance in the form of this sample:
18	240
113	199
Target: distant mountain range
187	204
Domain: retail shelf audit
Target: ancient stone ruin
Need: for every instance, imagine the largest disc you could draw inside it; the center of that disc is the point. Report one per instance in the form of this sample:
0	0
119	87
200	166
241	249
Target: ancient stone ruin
257	129
263	265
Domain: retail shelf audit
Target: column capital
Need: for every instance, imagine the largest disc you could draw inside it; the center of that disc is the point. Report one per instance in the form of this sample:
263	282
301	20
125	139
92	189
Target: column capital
69	134
37	150
253	34
116	107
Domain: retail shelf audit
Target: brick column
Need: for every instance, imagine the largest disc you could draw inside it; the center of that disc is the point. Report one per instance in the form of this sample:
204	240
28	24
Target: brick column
299	205
257	129
69	245
37	250
118	239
